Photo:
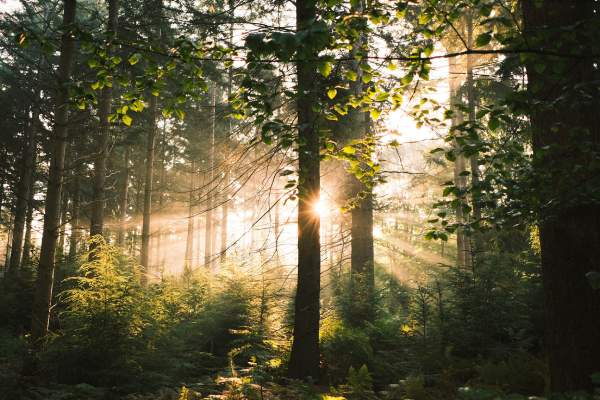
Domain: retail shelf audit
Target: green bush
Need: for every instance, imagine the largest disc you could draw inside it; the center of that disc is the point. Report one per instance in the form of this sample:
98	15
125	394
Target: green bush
342	348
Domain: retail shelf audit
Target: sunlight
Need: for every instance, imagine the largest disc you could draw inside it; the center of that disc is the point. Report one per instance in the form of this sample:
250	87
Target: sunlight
320	208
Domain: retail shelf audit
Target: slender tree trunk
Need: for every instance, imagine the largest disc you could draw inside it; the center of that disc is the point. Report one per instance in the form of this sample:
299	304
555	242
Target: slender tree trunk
123	203
362	264
23	195
75	237
463	251
45	278
474	159
60	251
189	244
304	358
27	244
566	142
209	227
227	177
145	254
99	201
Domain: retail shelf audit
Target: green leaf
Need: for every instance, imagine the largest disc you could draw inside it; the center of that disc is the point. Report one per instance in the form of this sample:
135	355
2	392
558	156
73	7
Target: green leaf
331	93
325	68
126	119
92	63
348	150
351	75
483	39
493	123
375	113
134	59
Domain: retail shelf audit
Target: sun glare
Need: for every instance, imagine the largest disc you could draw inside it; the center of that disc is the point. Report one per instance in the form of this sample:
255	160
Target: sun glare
320	208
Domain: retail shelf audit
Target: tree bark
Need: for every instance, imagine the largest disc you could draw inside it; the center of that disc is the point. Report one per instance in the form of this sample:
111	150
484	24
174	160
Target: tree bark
209	229
75	237
463	248
43	292
189	243
362	264
304	358
99	201
27	244
145	254
23	195
123	201
566	142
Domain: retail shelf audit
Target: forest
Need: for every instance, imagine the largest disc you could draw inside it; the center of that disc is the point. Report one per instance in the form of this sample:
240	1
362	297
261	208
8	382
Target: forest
300	199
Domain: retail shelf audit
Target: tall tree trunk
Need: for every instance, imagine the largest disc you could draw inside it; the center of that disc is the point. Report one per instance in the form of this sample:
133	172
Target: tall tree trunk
60	250
474	159
45	278
99	201
23	194
463	248
362	264
123	201
75	237
304	358
27	244
566	142
209	228
227	177
189	243
145	254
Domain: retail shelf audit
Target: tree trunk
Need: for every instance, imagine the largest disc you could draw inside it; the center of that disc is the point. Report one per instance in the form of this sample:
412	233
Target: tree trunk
145	254
463	248
209	227
99	201
123	203
60	251
227	177
474	159
362	275
43	292
304	358
75	237
189	243
23	195
566	142
27	244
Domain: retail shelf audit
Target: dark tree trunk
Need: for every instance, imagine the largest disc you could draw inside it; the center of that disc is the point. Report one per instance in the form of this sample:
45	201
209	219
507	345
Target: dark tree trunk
23	195
45	278
27	244
60	250
123	201
566	142
75	237
304	358
362	264
99	201
145	254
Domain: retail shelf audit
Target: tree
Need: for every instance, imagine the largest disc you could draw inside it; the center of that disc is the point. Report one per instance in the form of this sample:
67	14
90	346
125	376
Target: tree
566	143
99	202
304	358
23	193
45	279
